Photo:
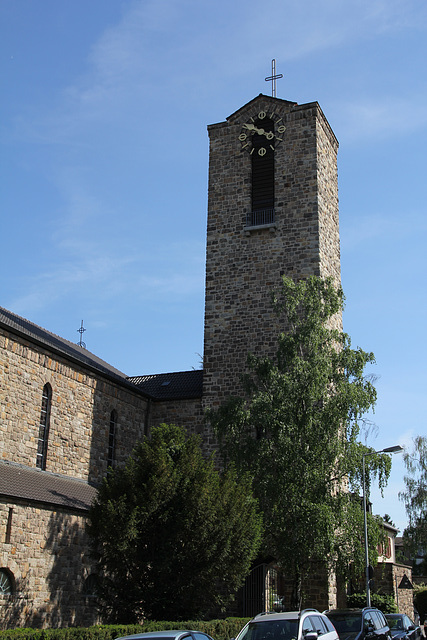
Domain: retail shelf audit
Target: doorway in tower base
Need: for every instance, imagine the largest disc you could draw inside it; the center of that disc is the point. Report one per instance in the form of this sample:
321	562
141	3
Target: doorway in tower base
260	591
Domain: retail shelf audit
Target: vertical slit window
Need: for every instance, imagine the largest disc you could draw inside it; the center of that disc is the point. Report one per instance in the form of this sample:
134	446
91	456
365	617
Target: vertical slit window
112	440
9	526
44	427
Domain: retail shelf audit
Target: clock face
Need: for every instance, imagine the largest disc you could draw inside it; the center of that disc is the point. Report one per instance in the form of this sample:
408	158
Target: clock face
262	133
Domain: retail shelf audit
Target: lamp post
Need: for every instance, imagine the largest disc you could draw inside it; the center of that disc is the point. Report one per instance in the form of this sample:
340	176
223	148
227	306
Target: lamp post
395	449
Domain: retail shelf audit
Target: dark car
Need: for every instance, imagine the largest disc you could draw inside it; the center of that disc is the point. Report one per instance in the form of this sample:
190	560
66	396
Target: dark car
401	626
360	624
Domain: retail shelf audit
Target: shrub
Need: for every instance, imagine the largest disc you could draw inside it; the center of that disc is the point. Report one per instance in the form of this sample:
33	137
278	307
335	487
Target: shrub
386	604
218	629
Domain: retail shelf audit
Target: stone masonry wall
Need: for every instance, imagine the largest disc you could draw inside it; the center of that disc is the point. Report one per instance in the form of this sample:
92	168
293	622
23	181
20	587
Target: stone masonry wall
48	558
387	580
188	413
80	414
327	193
319	590
47	555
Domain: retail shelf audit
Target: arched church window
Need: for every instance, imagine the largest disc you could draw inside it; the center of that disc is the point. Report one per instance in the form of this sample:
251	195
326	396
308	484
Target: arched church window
44	427
112	439
91	586
6	583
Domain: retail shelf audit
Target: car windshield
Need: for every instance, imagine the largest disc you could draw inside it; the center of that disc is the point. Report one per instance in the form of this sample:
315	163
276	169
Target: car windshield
270	630
348	625
395	623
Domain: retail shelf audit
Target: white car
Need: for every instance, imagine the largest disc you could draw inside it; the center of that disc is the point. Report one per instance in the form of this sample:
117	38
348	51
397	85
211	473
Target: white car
308	624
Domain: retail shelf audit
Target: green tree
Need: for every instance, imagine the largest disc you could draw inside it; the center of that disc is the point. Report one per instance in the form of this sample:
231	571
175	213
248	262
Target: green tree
415	500
420	600
296	431
173	538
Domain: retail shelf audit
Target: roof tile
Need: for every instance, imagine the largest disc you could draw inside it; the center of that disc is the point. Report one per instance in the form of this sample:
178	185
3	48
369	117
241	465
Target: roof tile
26	483
172	386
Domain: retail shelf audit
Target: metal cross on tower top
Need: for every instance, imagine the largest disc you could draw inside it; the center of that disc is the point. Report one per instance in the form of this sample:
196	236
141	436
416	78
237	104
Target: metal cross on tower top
273	77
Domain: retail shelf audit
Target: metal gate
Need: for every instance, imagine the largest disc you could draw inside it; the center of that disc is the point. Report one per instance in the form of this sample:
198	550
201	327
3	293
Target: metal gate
261	591
254	591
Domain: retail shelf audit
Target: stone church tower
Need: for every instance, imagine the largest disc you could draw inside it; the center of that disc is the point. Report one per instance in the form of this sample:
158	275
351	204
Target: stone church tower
272	211
66	415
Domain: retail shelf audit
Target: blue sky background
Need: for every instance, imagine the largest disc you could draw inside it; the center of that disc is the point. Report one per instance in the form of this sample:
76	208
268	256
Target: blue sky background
104	171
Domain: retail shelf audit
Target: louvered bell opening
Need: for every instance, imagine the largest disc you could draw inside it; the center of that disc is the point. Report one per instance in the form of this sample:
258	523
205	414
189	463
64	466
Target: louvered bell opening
262	178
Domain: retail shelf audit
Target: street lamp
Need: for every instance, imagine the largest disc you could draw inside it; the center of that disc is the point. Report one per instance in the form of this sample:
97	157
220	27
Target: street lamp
396	449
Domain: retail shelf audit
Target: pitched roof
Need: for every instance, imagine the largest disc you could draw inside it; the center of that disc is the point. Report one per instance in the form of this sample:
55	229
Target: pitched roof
264	97
172	386
180	385
33	332
25	483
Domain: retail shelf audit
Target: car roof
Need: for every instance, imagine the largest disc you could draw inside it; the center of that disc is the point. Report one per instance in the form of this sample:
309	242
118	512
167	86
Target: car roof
167	633
341	611
282	615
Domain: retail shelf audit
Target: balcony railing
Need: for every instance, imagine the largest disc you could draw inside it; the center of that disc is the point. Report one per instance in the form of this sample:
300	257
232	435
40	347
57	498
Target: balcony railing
260	218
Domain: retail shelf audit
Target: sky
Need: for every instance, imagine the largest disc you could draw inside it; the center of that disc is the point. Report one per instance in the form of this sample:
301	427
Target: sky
104	159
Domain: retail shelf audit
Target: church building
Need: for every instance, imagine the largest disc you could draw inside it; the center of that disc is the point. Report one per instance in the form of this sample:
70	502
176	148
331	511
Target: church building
66	415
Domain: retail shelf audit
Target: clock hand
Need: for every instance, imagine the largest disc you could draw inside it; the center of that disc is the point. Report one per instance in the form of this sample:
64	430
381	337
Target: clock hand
268	134
252	127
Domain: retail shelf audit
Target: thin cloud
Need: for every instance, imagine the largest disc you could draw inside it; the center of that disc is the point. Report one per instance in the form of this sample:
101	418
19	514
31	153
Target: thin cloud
66	280
373	226
301	29
86	272
380	118
127	64
171	284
